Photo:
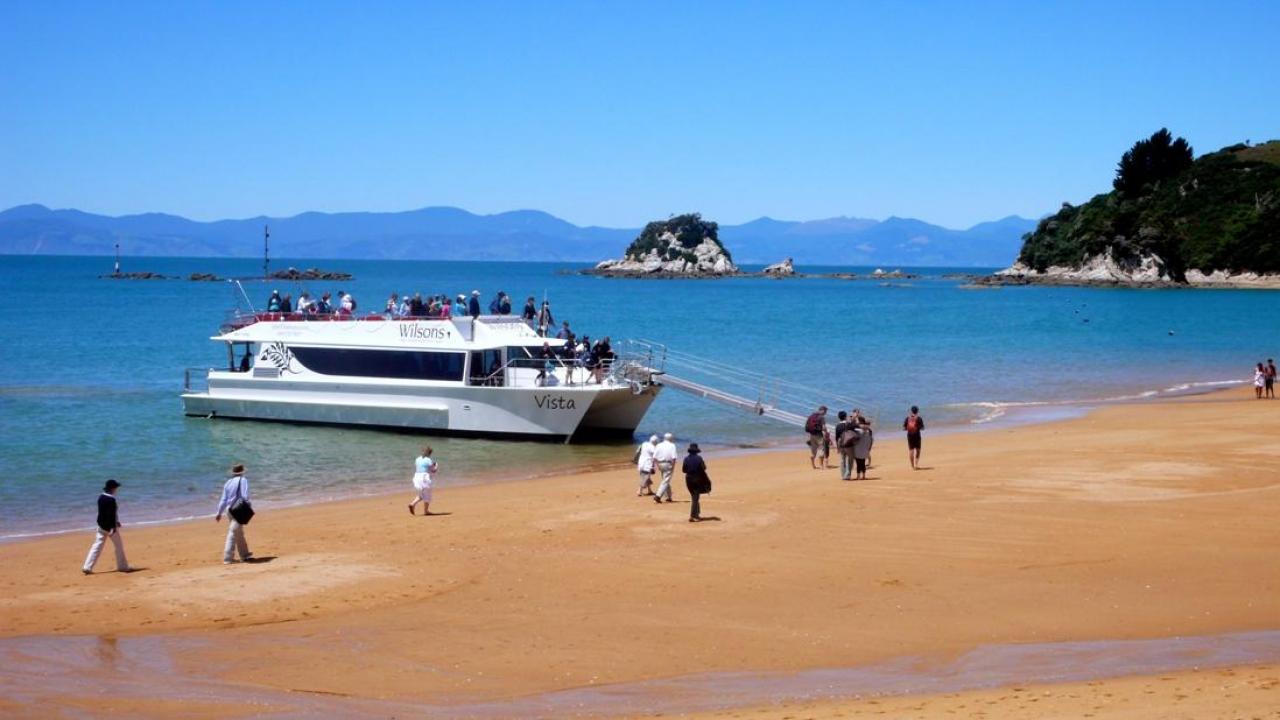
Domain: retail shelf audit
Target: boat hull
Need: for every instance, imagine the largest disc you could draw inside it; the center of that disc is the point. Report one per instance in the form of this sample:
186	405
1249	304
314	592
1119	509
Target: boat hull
551	413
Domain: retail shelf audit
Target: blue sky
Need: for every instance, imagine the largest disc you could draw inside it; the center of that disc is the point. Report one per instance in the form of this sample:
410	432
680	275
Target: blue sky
614	114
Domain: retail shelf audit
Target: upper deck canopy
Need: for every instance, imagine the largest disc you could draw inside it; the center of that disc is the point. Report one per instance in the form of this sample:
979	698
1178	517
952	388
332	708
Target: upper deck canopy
454	333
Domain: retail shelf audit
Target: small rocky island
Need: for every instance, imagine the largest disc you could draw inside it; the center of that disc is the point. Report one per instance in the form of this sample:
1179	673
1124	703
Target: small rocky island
1171	220
683	246
289	274
141	275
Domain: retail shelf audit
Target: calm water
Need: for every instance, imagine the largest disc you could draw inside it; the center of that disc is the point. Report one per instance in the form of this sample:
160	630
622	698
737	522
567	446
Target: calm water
93	368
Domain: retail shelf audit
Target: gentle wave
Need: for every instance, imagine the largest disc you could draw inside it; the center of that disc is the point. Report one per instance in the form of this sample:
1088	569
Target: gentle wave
994	410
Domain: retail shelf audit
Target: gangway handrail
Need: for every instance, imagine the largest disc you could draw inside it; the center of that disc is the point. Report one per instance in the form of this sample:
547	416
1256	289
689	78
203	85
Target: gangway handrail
774	397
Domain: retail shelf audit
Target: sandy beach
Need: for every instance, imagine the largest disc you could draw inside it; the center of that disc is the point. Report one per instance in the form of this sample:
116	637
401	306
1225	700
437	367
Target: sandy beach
569	594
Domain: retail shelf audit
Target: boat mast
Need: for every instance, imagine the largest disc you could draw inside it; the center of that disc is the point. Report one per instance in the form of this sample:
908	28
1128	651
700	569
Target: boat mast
117	272
266	255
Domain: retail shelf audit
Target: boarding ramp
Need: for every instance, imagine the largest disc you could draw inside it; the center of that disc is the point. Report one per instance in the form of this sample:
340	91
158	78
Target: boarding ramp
760	394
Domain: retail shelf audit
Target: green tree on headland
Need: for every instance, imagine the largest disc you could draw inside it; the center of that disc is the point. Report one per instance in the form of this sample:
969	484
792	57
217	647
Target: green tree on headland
1149	161
1220	211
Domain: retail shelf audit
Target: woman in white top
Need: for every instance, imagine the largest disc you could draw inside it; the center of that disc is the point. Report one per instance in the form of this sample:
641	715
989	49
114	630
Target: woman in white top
645	464
423	478
1259	379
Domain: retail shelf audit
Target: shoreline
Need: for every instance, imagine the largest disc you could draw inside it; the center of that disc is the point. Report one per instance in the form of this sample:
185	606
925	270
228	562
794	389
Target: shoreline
1000	415
1107	526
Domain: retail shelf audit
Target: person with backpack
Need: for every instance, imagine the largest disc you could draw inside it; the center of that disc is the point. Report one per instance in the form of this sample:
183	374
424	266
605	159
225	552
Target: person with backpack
815	426
235	503
913	424
846	437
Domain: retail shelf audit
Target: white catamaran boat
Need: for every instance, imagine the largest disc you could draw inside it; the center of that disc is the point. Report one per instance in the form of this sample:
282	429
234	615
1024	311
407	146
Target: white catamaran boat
451	376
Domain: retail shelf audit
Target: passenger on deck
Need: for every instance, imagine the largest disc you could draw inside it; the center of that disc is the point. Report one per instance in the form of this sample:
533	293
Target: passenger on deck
473	305
347	304
305	305
504	304
273	302
446	307
547	353
323	307
530	312
244	361
460	305
495	303
545	321
286	305
565	333
393	306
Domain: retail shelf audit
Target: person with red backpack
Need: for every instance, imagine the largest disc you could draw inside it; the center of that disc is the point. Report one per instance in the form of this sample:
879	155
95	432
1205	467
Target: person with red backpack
913	424
816	427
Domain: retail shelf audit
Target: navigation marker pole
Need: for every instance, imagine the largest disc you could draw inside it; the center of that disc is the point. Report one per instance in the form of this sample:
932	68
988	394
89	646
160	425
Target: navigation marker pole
266	255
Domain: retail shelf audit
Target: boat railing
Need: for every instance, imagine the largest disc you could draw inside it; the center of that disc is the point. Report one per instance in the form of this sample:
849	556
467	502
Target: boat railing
554	372
195	380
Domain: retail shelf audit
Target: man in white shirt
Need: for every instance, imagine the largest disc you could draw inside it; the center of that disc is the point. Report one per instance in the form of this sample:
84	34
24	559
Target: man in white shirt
233	491
644	463
665	456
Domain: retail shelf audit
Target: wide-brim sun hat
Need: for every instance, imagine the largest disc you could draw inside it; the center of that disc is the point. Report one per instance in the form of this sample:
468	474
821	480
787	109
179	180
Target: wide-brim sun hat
693	448
237	469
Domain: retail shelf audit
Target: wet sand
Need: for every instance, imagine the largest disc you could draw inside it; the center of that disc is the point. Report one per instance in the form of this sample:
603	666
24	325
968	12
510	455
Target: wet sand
1147	521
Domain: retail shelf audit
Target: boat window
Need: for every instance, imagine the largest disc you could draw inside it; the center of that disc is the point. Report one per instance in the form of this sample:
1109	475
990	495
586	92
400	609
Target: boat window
486	367
404	364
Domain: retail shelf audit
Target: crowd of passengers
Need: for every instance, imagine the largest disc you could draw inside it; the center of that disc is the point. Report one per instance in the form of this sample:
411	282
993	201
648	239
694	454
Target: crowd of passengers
593	357
416	306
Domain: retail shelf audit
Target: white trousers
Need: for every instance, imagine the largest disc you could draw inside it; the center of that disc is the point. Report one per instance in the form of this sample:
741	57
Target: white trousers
666	468
235	542
96	550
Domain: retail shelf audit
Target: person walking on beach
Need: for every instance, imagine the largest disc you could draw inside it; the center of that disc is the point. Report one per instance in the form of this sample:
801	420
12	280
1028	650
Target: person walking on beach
644	463
862	448
913	424
696	480
846	437
235	502
665	456
1259	380
1269	383
108	527
424	478
816	426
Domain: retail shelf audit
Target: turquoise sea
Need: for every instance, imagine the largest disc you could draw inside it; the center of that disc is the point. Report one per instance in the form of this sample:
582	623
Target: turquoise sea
93	368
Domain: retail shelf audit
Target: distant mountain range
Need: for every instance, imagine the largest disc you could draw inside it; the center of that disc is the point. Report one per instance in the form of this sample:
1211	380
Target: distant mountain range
447	233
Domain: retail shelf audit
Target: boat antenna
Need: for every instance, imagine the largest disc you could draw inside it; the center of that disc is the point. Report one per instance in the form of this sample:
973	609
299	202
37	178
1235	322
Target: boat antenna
266	254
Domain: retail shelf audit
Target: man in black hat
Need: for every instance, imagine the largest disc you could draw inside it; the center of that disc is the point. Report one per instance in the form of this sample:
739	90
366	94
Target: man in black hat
695	479
108	527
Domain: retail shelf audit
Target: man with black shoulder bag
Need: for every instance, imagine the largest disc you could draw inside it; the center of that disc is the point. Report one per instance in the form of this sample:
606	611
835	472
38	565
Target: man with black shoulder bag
235	503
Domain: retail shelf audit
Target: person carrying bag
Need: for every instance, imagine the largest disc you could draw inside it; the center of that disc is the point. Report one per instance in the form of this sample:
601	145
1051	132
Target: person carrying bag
235	502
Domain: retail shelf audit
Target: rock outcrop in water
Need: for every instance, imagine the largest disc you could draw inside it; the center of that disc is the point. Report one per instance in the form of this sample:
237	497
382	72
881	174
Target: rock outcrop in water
782	269
309	274
683	246
144	275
